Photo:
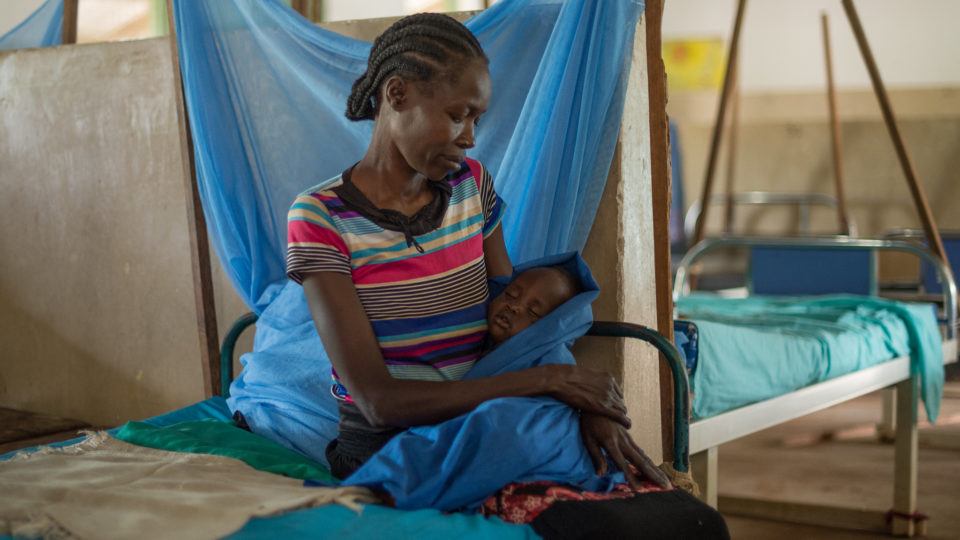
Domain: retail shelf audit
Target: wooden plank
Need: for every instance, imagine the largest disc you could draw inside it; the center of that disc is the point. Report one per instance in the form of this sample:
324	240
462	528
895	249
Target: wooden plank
49	438
860	519
916	189
197	225
718	124
16	425
68	31
842	215
661	192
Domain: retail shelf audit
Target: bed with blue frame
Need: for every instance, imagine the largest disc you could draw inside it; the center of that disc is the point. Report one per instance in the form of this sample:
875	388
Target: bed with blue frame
815	266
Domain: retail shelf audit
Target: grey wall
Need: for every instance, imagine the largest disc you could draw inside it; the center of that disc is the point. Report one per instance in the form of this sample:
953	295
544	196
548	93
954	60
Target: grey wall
784	146
781	48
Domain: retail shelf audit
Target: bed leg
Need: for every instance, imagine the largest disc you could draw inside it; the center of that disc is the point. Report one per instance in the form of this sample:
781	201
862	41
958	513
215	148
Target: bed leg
903	520
703	464
887	428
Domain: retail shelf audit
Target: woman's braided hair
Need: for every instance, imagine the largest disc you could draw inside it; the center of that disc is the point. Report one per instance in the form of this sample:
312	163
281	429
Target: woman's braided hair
417	48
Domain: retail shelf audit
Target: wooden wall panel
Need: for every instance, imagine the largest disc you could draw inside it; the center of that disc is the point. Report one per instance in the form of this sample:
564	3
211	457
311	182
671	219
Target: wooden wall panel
96	308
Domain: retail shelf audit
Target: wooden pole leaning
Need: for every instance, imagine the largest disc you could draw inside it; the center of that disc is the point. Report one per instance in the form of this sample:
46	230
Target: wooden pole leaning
916	189
718	125
68	31
842	216
661	193
728	206
197	231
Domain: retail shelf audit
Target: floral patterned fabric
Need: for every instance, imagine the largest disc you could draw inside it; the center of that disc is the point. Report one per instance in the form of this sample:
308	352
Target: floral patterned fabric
521	503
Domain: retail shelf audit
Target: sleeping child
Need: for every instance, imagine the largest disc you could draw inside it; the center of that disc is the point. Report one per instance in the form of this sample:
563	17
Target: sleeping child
459	463
530	296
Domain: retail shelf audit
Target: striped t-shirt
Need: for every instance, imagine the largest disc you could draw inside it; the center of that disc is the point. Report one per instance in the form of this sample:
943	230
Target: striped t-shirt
424	291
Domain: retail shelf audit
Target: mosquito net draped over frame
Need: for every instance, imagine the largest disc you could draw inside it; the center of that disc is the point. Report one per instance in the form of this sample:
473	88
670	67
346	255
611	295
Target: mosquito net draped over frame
266	92
43	28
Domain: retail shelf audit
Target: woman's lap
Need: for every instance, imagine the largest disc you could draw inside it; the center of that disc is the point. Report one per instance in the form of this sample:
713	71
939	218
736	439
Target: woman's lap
562	512
667	514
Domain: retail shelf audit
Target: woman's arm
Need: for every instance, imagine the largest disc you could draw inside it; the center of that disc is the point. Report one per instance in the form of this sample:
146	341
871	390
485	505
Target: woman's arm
601	436
495	254
384	401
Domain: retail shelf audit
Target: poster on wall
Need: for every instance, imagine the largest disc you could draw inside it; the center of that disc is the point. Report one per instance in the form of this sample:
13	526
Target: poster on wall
694	64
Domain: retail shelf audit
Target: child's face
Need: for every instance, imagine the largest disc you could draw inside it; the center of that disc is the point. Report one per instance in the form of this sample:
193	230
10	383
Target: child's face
532	295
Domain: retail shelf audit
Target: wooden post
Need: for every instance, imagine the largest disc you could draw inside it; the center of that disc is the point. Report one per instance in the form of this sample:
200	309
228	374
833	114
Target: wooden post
660	173
68	31
718	124
197	227
842	216
916	189
300	6
312	10
728	209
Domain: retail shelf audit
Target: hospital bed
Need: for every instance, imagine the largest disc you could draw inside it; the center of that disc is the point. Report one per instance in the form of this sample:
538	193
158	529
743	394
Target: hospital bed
334	521
707	434
923	287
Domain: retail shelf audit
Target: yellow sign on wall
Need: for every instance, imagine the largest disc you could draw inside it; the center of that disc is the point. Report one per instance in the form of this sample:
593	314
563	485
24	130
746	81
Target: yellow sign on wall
694	64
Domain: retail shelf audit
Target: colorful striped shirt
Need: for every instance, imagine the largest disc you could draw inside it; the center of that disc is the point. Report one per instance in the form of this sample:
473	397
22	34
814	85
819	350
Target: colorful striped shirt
424	294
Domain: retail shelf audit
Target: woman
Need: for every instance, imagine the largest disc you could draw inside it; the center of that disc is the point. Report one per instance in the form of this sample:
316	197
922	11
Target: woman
394	255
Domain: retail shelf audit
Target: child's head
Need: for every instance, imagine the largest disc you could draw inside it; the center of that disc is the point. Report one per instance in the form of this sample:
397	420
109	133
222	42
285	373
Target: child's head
426	85
531	295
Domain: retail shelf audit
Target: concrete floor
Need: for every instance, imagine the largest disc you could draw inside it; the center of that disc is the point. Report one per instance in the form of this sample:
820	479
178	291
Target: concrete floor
785	463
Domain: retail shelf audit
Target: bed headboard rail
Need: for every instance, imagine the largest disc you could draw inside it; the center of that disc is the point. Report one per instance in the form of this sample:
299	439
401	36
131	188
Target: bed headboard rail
681	285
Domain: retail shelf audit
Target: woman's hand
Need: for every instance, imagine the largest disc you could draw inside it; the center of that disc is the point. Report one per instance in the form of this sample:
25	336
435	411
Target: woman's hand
588	391
601	435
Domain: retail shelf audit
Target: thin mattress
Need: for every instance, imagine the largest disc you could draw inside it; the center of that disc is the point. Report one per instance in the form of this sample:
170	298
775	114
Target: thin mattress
753	349
336	521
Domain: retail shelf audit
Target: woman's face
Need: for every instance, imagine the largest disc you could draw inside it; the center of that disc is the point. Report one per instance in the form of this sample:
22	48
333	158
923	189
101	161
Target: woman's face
434	123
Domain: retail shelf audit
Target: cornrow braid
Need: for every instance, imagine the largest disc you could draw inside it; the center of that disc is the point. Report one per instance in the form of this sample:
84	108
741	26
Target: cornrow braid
418	48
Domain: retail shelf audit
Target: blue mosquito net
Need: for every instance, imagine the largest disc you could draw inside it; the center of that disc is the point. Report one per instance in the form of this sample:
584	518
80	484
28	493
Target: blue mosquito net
266	92
43	28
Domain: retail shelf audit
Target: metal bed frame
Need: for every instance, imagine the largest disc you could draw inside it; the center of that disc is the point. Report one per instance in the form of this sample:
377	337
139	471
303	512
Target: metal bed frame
707	434
917	236
668	352
802	201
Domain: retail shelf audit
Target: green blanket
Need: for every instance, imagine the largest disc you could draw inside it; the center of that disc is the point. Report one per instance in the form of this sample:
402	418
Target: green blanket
225	439
753	349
